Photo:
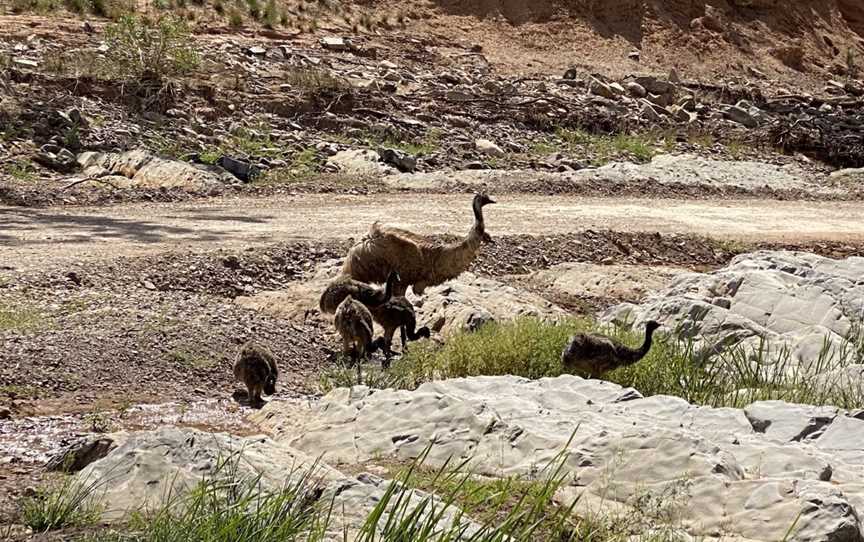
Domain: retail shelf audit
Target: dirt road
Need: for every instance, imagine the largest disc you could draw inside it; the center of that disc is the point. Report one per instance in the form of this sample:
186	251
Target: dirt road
30	236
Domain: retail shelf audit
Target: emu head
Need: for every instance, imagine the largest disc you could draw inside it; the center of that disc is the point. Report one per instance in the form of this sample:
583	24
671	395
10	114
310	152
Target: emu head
481	200
394	278
651	326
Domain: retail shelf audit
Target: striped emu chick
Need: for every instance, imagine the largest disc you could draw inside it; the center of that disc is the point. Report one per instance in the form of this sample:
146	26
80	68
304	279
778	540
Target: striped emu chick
591	355
353	321
396	313
256	368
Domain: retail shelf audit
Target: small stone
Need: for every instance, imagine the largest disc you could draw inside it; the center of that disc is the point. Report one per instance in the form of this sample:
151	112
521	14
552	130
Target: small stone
241	169
149	285
636	90
256	51
489	148
5	413
336	44
25	62
404	162
634	55
601	89
386	64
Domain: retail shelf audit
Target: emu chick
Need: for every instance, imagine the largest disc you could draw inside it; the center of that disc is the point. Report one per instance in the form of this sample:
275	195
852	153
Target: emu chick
354	323
398	313
591	354
256	368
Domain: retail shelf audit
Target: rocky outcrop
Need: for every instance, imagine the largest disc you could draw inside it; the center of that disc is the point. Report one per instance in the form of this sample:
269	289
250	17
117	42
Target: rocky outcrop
462	303
140	168
714	472
470	301
150	467
801	302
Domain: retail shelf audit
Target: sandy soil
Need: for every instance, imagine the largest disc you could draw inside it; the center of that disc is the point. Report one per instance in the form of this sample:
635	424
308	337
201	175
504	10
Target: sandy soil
83	234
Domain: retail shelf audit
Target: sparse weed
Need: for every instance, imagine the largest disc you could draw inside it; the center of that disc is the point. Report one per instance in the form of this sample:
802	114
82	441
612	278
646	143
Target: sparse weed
98	422
192	359
235	18
20	318
68	503
21	171
315	80
139	49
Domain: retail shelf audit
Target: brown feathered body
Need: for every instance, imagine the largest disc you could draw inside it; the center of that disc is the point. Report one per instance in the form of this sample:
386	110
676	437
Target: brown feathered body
354	323
342	287
256	368
591	354
420	261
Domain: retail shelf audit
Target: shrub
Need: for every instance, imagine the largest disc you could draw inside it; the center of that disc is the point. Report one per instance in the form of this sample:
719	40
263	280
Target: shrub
138	49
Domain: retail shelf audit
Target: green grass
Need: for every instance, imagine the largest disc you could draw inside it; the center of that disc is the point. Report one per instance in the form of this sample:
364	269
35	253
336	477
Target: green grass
602	149
21	171
531	348
20	318
190	357
66	503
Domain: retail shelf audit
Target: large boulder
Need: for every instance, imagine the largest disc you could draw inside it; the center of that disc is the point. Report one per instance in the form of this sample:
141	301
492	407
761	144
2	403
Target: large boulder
805	308
715	472
141	168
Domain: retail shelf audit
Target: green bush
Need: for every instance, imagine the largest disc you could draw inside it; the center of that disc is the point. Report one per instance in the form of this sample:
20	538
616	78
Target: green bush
139	49
68	503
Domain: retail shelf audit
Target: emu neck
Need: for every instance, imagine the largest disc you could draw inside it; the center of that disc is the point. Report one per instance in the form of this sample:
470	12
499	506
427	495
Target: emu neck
479	225
388	289
646	345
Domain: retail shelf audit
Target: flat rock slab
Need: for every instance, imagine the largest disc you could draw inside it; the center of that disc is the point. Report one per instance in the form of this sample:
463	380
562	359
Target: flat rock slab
796	301
147	468
715	473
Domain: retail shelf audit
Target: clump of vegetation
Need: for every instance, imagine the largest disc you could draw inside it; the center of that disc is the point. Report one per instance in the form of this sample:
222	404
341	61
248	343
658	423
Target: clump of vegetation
602	149
315	80
67	503
532	348
140	49
20	317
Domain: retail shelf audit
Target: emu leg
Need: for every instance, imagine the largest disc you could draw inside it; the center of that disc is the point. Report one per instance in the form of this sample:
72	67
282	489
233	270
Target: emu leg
404	334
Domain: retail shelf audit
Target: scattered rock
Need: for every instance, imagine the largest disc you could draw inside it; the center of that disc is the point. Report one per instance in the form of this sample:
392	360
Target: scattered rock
359	162
634	55
83	452
241	169
794	301
489	148
337	44
636	90
601	89
740	115
403	161
141	168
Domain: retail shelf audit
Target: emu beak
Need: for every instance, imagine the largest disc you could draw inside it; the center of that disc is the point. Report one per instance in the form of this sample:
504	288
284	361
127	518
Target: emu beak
490	200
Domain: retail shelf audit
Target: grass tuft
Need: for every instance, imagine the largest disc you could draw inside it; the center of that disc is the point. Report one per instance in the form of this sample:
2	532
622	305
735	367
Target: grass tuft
20	318
68	503
531	348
